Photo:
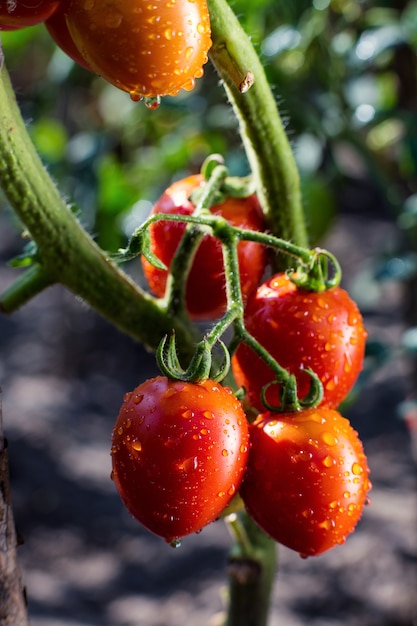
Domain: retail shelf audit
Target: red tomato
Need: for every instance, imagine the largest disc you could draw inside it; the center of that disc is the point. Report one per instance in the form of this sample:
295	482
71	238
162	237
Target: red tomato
179	451
301	329
146	48
58	29
206	290
307	478
16	14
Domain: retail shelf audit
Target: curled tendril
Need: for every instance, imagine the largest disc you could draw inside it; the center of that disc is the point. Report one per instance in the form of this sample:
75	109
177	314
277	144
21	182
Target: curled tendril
140	243
315	392
210	164
200	365
289	400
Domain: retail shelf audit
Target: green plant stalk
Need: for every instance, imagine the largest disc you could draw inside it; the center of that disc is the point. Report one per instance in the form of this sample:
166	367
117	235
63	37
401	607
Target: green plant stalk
175	296
266	145
69	255
251	569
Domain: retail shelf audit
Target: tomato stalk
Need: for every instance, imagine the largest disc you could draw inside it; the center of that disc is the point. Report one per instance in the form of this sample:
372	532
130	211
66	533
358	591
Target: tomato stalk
266	145
68	254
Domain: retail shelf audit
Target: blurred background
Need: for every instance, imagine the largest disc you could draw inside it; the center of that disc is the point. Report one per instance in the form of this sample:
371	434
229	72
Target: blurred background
345	77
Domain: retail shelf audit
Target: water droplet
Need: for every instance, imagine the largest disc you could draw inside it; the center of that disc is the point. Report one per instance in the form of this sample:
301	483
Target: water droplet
331	384
208	415
152	103
346	494
189	52
135	96
175	543
136	445
201	29
204	431
221	494
137	398
328	461
188	414
189	464
127	397
189	85
243	449
357	469
334	504
112	475
307	513
232	490
329	439
367	501
327	524
120	431
332	317
225	452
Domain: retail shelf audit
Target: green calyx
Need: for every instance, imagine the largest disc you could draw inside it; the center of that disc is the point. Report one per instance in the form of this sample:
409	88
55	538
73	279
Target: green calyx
320	273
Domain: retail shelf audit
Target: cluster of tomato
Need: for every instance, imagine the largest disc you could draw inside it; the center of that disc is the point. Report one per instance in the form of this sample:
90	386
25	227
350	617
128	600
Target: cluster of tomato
181	451
147	48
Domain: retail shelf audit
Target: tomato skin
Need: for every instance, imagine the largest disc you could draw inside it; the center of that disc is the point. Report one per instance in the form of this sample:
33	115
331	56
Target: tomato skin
179	451
302	329
147	49
58	30
307	478
24	13
205	291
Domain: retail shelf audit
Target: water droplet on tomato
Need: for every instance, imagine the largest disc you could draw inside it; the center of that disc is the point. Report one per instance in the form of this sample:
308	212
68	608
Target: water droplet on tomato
120	431
188	414
346	494
331	384
137	445
329	439
327	524
357	469
112	475
208	415
225	452
328	461
135	96
152	103
137	398
175	543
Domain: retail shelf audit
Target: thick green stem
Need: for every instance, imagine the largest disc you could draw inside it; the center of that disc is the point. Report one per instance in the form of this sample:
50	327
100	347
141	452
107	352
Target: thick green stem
263	134
69	255
252	565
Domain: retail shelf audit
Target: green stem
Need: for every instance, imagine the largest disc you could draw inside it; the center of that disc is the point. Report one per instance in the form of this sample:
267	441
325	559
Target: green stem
184	255
29	284
68	254
267	147
251	569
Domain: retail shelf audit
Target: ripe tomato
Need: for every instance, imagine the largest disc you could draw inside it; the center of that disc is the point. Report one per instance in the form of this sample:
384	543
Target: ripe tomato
58	29
146	48
307	478
206	290
179	451
16	14
301	330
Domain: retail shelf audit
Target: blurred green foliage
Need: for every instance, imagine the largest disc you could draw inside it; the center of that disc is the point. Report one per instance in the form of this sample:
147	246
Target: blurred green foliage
345	76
